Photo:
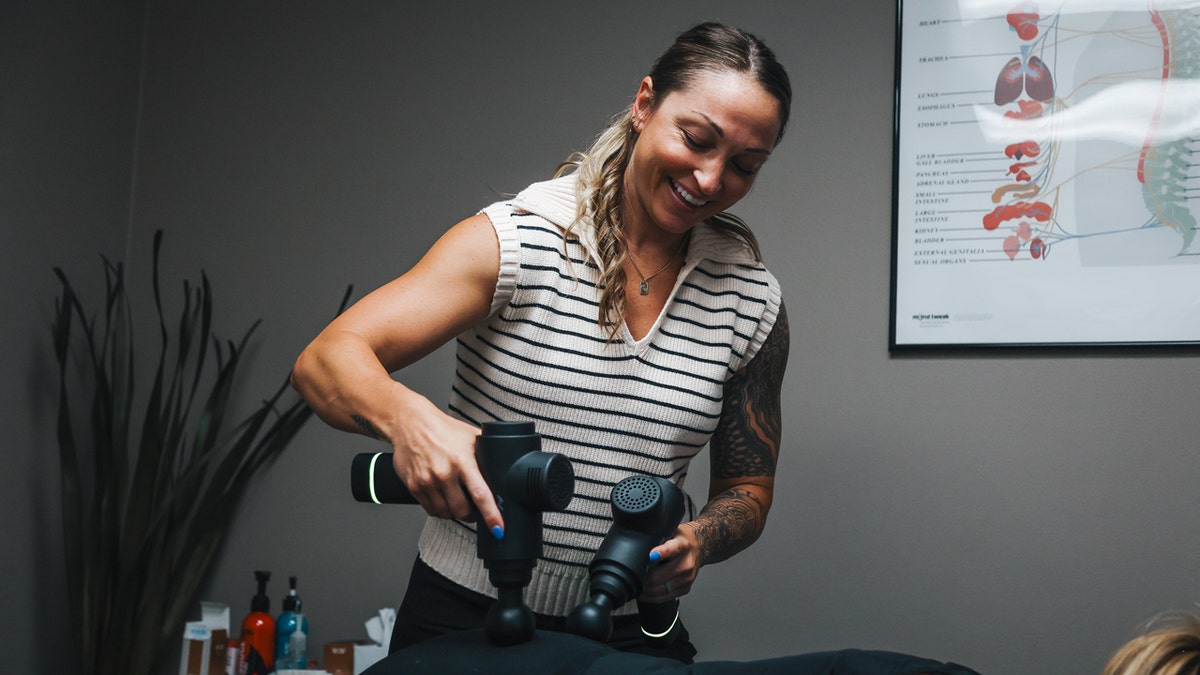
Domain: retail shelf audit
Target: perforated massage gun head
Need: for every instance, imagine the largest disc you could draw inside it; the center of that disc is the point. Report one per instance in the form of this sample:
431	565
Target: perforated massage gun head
525	482
646	510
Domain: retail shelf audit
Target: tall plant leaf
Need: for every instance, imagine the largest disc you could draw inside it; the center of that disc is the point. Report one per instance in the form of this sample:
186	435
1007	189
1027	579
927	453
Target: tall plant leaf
145	511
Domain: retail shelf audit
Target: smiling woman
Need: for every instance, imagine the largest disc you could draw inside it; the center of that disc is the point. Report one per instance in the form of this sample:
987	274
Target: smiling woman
698	152
620	307
713	76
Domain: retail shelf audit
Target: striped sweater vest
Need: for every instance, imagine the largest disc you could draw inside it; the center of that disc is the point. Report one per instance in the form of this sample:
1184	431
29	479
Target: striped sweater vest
617	408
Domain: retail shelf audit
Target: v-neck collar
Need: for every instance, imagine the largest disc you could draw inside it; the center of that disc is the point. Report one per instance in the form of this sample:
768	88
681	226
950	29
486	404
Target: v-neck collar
556	201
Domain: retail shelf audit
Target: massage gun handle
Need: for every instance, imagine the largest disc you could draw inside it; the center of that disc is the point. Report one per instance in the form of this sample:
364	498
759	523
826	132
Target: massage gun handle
659	622
373	478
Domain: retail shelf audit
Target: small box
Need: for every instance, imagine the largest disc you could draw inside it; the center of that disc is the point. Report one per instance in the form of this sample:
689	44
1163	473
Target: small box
205	641
351	657
339	658
196	640
366	654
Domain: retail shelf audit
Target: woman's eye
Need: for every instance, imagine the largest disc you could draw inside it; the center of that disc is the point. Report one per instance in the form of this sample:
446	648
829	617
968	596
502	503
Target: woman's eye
743	170
693	141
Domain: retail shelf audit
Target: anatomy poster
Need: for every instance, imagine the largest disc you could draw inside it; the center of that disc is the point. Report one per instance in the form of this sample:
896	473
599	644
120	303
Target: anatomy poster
1047	173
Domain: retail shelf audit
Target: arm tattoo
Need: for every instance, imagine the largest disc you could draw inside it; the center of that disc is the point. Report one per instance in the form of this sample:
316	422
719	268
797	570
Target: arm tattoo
730	522
745	445
366	426
746	440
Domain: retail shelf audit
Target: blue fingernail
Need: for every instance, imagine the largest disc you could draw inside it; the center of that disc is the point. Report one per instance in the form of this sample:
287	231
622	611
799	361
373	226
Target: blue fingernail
498	532
654	556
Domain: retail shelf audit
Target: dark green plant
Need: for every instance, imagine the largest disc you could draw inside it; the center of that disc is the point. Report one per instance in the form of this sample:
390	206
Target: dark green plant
150	485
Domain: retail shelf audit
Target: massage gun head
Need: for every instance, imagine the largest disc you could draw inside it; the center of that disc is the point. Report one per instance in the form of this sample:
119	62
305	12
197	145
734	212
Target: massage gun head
525	482
541	481
645	504
510	458
646	511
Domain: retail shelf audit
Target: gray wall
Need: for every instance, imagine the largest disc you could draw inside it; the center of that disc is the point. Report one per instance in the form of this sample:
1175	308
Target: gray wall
68	101
1019	513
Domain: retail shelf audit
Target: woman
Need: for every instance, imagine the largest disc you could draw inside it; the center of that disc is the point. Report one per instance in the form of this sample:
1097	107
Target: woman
1170	645
619	308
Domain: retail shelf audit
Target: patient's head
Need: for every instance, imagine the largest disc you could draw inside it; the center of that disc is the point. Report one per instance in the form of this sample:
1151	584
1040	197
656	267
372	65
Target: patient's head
1170	645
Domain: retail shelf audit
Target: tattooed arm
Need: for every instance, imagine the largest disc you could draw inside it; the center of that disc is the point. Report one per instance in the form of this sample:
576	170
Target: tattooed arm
745	448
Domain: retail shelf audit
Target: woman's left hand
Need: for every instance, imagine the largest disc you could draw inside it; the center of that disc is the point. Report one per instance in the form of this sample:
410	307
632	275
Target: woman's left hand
677	566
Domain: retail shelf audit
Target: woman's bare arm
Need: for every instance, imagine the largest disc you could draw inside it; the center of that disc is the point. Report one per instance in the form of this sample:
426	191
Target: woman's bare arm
345	374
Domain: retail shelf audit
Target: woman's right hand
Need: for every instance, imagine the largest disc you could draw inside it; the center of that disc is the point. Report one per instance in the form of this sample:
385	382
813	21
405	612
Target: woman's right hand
434	454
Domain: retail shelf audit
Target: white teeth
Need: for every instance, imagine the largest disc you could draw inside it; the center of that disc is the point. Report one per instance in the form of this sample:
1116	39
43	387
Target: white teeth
687	197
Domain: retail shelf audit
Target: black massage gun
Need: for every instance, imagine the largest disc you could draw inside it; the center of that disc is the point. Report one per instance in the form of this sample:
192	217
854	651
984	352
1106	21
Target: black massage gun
525	482
646	510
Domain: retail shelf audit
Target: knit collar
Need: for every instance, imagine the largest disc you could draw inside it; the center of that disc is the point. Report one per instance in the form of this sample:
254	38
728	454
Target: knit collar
555	200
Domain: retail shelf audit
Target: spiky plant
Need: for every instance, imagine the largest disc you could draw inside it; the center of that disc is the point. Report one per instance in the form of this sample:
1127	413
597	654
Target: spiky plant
150	483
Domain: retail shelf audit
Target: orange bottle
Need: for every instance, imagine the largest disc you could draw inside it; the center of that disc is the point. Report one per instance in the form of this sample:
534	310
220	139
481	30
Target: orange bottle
258	633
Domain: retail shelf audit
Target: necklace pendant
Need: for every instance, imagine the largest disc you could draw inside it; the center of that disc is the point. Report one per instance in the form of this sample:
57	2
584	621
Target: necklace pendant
645	288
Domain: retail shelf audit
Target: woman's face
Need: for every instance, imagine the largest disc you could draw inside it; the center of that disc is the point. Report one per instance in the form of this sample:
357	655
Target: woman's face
699	149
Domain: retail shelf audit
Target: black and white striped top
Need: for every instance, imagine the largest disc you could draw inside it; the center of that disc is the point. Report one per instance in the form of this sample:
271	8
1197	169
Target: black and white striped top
616	408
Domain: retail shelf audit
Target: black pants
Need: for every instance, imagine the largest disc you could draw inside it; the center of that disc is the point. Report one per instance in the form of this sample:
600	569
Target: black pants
433	605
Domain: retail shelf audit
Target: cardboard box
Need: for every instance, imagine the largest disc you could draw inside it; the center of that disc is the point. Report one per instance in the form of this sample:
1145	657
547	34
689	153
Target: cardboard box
352	657
205	641
339	657
196	640
366	654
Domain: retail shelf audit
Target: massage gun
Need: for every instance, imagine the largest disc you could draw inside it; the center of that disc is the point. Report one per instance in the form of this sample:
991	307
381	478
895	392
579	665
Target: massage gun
525	482
646	510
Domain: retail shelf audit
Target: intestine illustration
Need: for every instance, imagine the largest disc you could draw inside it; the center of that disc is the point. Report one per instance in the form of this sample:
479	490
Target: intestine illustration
1129	126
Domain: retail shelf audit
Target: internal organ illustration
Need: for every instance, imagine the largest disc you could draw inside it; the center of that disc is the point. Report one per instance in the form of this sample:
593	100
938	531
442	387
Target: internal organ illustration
1029	110
1037	247
1025	74
1022	150
1165	166
1026	80
1012	243
1019	171
1025	214
1023	19
1039	211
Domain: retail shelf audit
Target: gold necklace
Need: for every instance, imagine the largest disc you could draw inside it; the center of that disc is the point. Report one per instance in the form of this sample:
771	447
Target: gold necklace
645	287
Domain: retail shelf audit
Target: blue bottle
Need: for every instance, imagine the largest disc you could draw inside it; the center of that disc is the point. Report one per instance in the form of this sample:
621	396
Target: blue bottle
291	621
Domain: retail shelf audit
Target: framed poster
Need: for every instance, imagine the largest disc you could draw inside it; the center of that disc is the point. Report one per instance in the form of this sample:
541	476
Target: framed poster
1047	173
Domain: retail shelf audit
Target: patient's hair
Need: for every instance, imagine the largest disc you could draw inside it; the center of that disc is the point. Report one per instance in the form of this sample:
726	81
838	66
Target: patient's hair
1170	645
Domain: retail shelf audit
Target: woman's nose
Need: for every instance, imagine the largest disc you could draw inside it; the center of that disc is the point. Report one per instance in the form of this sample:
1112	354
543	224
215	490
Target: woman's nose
708	177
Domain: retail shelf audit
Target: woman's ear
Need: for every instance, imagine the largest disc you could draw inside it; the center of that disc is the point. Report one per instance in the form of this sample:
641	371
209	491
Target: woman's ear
643	103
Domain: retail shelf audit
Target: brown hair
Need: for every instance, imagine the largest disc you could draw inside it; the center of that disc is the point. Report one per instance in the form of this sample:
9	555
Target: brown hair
707	47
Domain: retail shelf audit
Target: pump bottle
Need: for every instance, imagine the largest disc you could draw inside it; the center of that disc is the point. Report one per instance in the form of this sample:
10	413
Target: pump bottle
258	633
291	632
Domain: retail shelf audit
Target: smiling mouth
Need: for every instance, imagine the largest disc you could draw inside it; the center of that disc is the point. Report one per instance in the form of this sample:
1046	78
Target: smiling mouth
687	196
